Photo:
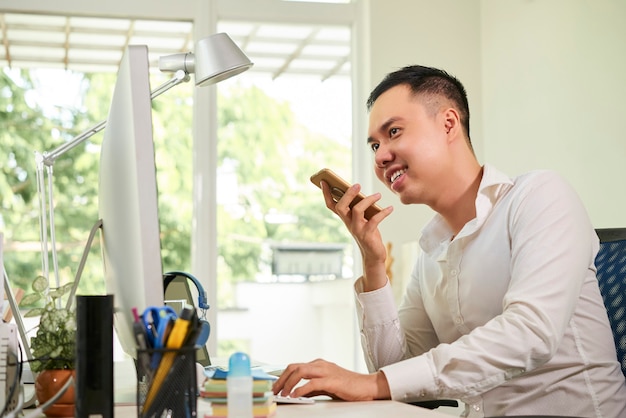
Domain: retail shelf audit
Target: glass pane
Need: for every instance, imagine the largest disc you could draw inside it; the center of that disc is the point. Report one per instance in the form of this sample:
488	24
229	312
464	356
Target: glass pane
284	258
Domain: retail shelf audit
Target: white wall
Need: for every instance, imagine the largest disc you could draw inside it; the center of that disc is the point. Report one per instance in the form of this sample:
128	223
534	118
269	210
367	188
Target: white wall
554	88
546	82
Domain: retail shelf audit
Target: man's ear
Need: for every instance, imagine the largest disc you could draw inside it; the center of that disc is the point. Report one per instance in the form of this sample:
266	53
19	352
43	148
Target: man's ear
452	121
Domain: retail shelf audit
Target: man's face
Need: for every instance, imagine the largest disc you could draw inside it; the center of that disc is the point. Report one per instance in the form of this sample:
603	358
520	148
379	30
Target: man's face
410	145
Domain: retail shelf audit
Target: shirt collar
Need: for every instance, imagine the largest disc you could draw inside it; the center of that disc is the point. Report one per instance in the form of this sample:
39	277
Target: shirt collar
493	185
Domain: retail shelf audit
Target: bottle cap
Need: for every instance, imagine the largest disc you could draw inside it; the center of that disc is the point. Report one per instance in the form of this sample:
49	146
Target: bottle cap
239	365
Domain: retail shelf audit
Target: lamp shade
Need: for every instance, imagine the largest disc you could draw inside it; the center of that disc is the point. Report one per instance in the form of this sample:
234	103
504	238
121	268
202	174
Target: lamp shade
216	58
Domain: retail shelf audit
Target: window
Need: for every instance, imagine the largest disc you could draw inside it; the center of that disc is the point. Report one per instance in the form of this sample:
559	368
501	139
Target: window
278	245
300	87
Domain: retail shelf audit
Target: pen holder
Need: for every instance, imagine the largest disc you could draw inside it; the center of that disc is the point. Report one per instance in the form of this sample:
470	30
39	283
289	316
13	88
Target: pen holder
166	383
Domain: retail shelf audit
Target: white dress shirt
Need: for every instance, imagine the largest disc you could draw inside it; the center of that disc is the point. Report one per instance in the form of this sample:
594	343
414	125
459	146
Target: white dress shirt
506	316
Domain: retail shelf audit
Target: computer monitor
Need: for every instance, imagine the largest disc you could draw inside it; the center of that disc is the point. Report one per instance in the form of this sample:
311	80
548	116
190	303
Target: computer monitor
128	198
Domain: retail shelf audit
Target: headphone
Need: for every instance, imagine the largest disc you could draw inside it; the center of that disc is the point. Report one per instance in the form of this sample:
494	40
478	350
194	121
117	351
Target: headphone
205	327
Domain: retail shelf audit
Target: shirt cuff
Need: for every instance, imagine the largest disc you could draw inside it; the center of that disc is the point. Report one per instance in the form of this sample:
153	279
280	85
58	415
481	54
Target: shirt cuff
411	380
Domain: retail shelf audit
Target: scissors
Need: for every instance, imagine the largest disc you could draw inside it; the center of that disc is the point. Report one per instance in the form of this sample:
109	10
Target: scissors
158	321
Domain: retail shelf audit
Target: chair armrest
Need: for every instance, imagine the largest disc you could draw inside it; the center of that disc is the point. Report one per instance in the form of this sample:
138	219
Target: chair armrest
435	403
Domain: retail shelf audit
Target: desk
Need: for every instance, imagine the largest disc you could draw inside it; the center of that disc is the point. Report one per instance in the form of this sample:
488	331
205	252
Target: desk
125	407
328	409
321	408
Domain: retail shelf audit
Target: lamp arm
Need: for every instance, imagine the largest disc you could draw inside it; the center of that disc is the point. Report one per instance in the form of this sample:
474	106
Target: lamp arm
50	157
180	76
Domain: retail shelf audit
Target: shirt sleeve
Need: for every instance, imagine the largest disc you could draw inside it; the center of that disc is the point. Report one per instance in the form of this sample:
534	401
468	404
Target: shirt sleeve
547	271
383	338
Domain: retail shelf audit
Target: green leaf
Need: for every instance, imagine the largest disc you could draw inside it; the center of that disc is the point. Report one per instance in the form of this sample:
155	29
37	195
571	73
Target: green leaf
33	313
40	284
30	299
66	288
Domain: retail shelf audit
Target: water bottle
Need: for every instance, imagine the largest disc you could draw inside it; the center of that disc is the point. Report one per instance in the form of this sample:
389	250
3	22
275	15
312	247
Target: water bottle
239	386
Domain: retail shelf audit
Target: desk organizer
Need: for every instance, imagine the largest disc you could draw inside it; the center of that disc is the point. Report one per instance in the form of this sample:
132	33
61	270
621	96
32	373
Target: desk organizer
166	383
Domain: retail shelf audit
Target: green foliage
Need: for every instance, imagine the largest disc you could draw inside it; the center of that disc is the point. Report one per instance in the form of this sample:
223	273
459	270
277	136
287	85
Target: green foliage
172	128
272	157
75	180
26	129
21	133
262	149
54	345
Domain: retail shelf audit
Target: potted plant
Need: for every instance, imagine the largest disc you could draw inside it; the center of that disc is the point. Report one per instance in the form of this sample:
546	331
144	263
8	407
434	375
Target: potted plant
53	346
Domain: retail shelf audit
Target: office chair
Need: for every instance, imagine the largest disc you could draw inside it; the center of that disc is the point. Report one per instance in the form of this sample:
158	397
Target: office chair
611	265
436	403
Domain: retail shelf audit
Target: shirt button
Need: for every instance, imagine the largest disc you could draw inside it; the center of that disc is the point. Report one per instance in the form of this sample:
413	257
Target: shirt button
457	320
453	272
476	407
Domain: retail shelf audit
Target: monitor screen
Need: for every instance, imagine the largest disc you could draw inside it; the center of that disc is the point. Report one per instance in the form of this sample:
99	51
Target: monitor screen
128	198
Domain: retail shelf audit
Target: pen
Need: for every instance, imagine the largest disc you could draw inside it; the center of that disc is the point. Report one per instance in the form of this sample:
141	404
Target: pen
150	327
166	332
143	358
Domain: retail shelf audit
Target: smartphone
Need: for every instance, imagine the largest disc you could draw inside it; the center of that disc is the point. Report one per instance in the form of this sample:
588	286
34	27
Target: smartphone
338	187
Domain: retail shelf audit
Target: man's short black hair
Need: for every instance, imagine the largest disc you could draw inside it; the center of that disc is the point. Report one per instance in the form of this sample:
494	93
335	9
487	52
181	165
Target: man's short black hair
427	81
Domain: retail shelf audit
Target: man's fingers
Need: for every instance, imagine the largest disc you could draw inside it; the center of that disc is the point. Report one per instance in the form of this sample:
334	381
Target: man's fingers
328	198
289	378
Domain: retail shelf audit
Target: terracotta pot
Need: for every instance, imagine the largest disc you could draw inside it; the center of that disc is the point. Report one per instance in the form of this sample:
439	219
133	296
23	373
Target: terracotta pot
48	384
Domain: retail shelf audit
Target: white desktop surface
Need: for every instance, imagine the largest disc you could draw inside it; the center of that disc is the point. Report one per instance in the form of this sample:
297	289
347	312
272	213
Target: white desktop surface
322	408
373	409
328	409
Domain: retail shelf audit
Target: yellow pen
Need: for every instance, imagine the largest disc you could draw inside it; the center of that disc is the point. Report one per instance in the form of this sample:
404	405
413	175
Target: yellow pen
175	340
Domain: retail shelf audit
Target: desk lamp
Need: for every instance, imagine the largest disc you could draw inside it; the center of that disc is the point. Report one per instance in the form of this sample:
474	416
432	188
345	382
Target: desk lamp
216	58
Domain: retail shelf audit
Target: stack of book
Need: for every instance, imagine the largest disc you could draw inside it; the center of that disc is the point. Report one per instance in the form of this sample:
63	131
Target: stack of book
263	404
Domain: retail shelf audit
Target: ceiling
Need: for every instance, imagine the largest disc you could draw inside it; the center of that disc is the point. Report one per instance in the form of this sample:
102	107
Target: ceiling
90	44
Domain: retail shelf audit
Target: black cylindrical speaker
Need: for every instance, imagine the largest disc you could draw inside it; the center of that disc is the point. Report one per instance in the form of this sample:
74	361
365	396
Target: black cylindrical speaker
94	356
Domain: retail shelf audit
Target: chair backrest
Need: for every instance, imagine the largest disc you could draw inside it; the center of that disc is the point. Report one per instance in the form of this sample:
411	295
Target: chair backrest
611	265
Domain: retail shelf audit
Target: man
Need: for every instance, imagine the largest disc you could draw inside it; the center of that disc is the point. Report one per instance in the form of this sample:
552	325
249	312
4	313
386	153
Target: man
503	309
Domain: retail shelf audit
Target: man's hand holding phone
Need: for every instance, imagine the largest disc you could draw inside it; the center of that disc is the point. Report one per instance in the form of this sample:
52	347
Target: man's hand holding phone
338	188
367	234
